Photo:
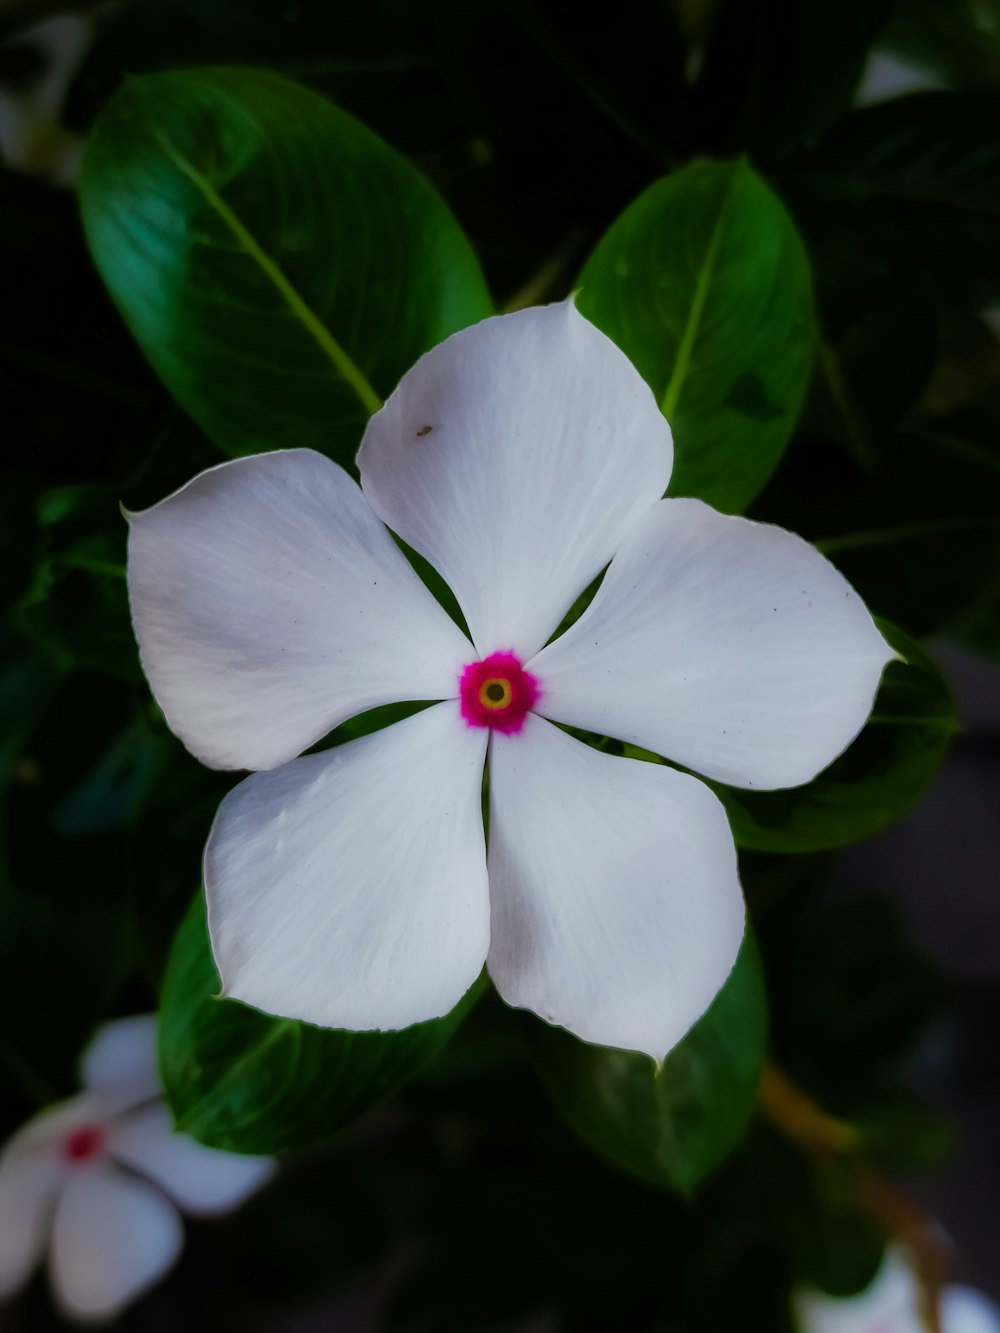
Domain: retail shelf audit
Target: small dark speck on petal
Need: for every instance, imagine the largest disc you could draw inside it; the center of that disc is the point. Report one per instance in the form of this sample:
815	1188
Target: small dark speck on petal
424	430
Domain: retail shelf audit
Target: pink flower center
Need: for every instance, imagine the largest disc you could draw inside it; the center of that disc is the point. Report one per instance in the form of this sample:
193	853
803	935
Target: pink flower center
84	1144
497	692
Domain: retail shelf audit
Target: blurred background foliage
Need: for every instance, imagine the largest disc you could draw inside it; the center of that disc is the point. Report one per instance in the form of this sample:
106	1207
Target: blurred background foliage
811	285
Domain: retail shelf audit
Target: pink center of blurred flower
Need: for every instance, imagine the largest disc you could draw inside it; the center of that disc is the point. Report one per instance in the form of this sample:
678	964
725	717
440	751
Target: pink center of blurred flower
497	692
84	1144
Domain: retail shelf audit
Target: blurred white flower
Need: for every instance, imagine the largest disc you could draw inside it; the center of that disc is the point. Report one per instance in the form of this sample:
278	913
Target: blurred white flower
887	76
75	1181
32	136
892	1305
353	888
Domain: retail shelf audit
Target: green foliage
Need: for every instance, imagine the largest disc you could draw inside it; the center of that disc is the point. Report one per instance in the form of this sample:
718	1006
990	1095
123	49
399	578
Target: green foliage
917	533
851	996
240	1079
874	781
704	284
830	1242
261	245
783	73
77	604
675	1123
878	320
934	147
65	945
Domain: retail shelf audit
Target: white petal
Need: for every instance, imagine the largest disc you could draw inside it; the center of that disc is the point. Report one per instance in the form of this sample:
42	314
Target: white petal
120	1064
114	1236
889	1304
270	604
29	1180
964	1310
51	1126
731	647
348	888
198	1178
514	456
617	910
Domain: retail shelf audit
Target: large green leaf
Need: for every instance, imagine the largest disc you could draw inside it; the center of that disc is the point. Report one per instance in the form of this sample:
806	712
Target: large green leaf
704	283
239	1079
671	1124
874	781
279	264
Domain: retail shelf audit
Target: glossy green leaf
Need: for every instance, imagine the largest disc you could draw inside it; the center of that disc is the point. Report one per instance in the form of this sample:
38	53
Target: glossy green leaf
279	264
676	1123
874	781
704	284
242	1080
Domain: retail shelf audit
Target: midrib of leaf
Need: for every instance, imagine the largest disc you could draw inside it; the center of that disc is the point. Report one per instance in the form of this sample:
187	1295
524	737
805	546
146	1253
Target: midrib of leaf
829	363
672	393
217	1094
300	309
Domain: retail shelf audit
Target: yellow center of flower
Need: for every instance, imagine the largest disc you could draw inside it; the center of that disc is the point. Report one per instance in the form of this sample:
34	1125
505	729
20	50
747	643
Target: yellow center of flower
495	692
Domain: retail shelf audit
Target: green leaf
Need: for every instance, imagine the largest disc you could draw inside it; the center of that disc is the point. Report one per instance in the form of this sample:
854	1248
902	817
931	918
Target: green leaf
112	791
874	781
704	284
239	1079
852	995
676	1123
931	542
934	147
918	535
828	1241
959	41
280	266
878	320
776	75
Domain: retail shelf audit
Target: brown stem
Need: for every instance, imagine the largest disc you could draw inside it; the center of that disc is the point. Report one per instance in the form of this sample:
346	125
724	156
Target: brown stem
801	1120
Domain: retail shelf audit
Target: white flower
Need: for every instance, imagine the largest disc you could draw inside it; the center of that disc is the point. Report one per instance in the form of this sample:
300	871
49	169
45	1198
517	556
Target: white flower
32	136
75	1181
892	1305
352	887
